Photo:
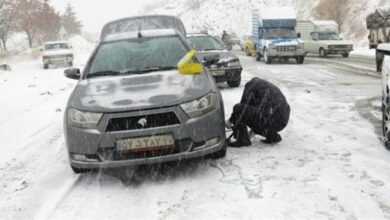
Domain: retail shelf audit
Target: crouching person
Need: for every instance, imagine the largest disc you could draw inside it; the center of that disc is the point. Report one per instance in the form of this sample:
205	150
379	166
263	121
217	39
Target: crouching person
264	109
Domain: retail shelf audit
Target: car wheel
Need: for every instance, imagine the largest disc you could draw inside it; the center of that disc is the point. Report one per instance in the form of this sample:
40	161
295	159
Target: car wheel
285	59
379	57
45	66
322	53
385	129
70	64
220	154
267	59
258	56
346	55
234	83
300	60
80	170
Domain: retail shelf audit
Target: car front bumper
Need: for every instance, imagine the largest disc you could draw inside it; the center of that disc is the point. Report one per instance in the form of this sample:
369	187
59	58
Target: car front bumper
280	54
338	51
62	60
99	148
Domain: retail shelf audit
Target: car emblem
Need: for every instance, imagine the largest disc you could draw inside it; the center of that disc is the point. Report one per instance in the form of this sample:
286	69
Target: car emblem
142	122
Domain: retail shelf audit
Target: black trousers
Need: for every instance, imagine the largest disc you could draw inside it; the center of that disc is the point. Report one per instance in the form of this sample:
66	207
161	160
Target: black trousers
262	121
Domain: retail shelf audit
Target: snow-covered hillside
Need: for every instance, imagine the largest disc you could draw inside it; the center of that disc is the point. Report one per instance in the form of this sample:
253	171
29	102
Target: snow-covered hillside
235	16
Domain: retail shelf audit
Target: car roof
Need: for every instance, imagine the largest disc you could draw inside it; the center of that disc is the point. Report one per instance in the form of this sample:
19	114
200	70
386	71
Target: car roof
144	33
56	42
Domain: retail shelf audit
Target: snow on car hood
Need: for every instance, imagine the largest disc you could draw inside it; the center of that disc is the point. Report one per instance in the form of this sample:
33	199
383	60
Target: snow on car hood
226	56
152	90
57	52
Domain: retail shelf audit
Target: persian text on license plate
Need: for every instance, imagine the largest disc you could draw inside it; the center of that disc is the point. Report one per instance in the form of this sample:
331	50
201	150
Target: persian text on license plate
146	143
218	73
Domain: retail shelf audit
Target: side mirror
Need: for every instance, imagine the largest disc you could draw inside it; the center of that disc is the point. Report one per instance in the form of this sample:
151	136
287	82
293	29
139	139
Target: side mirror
73	73
299	35
211	59
187	66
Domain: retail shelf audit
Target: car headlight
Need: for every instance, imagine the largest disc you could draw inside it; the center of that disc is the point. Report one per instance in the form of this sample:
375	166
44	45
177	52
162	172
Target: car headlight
82	119
301	46
200	106
234	63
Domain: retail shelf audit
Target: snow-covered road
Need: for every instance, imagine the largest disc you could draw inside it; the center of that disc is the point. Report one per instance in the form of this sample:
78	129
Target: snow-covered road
330	165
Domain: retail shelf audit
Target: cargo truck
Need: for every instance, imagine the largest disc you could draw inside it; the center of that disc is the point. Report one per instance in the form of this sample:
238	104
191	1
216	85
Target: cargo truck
274	35
378	24
323	38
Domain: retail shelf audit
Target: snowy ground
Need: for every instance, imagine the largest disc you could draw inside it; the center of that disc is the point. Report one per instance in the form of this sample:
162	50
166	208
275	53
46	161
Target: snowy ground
330	165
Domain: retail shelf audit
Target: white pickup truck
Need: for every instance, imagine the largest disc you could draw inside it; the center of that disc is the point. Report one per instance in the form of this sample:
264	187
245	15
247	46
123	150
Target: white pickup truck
323	38
385	49
58	52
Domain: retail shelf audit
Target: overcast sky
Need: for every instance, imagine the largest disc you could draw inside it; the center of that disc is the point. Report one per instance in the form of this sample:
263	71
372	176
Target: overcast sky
95	13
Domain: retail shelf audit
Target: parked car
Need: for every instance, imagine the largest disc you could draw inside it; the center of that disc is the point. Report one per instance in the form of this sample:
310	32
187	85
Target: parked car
134	105
247	45
225	65
323	38
385	50
57	53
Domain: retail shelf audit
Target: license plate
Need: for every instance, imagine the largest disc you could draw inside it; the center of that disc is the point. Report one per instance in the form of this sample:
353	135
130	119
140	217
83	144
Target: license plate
218	73
146	143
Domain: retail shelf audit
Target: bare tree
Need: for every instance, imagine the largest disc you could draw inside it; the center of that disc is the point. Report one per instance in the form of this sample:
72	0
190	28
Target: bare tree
336	10
7	17
28	19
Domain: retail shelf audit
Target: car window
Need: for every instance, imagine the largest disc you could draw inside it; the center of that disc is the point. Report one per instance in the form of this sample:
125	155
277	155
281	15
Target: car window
56	46
205	43
280	33
328	36
138	54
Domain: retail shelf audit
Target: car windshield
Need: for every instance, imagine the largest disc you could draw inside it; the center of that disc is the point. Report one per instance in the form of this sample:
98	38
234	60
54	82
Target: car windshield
280	33
56	46
205	43
137	56
328	36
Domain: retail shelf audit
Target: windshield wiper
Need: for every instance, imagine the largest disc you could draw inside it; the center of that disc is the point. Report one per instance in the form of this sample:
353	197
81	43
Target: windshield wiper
104	73
149	69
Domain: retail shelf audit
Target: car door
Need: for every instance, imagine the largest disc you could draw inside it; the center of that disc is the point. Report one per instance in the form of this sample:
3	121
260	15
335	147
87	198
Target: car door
311	45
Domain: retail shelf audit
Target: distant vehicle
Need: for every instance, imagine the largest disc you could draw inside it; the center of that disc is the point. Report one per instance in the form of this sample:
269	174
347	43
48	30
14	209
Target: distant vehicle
323	38
247	45
135	104
378	23
384	48
224	65
274	35
57	53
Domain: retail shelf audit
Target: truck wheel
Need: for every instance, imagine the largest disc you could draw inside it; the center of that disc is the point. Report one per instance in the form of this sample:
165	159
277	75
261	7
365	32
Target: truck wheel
322	53
258	56
79	170
234	83
346	55
300	59
379	57
267	59
45	66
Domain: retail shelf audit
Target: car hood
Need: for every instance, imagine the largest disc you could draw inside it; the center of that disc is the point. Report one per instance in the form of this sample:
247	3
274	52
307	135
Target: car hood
127	93
336	42
285	42
57	52
226	56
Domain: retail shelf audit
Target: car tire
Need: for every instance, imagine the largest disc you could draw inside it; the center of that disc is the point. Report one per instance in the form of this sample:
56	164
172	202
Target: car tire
379	57
322	53
285	59
45	66
258	56
247	52
267	59
220	154
300	59
234	83
80	170
385	130
70	64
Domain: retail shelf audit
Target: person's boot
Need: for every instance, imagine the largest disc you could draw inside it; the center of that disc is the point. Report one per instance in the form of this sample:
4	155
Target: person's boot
273	139
242	138
239	143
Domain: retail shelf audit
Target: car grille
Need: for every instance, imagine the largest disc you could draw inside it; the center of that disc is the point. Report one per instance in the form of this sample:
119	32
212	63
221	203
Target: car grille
142	122
286	48
338	46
